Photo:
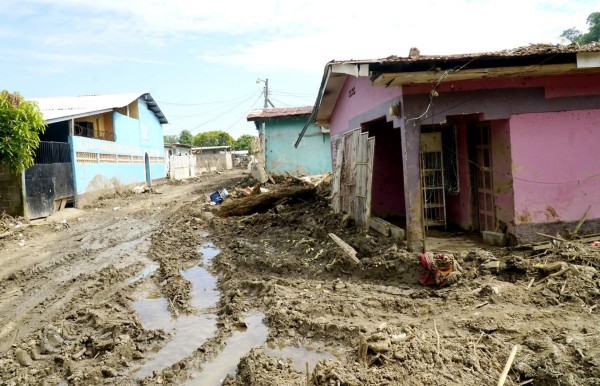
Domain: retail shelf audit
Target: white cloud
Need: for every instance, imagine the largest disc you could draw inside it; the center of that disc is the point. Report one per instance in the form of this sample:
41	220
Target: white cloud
300	35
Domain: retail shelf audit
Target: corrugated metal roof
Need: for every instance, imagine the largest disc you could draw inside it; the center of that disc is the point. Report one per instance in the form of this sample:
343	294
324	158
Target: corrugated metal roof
279	112
58	109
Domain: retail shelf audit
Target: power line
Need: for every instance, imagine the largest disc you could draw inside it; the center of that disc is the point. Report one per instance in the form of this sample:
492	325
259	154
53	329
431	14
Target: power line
245	114
207	103
218	116
226	107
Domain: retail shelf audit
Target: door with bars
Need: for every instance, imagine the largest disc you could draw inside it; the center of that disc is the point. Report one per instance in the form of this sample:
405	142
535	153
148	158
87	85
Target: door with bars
432	180
485	172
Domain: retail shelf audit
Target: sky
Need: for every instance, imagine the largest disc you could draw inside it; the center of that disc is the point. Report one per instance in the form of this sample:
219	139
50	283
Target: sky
205	63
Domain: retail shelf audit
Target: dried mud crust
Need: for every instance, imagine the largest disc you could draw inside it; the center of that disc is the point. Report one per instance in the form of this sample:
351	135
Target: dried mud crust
75	323
67	316
383	327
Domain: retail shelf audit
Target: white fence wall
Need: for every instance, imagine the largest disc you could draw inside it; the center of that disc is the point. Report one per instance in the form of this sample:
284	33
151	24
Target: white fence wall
182	167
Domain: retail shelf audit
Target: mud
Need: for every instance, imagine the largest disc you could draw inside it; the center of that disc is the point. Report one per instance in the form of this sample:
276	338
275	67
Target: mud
164	291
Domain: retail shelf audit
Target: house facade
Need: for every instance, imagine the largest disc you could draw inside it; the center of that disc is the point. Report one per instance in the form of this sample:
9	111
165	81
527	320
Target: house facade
94	145
280	127
501	142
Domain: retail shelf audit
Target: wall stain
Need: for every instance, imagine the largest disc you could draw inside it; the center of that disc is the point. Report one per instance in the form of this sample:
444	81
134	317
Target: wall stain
551	213
524	217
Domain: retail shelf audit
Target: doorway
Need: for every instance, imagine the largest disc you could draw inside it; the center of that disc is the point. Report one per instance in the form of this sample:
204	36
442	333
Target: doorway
147	163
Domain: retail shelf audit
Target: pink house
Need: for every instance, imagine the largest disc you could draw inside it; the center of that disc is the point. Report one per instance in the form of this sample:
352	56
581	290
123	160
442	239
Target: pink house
505	142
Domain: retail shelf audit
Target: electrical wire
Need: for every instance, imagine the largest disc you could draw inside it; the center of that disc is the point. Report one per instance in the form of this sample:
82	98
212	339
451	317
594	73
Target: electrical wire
207	103
246	113
225	107
218	116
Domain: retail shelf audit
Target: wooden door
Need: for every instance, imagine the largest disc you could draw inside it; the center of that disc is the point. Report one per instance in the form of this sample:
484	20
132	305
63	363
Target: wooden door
485	173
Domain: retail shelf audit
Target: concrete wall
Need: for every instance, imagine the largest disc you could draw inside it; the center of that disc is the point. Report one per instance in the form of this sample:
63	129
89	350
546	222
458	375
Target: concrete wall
11	193
556	171
364	104
121	162
311	157
502	181
458	208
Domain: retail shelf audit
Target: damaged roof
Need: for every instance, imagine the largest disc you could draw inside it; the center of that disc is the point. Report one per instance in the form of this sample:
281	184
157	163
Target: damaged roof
531	60
279	112
58	109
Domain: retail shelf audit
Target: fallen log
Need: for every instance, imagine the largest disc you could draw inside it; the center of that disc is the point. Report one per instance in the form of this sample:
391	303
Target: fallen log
261	203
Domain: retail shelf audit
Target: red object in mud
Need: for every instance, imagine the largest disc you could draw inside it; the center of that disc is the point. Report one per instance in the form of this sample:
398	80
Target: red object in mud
436	268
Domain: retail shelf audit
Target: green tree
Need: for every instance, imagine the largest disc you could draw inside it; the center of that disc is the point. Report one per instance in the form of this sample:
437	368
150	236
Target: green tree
171	138
213	138
244	142
21	124
186	137
593	34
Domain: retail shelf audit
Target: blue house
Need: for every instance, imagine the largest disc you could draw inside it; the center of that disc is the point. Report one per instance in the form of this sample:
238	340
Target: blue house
279	128
94	145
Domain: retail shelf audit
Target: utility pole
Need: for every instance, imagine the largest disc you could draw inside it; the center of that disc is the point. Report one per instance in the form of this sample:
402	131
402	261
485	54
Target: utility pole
267	100
262	131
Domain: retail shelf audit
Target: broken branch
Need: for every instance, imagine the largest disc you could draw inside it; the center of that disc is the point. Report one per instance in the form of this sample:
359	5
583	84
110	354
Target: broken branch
508	365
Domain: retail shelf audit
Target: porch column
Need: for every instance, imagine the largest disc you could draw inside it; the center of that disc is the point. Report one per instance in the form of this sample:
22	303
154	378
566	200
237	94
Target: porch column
411	142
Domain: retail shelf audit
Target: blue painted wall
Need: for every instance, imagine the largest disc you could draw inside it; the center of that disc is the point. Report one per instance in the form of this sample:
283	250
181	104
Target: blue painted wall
133	137
313	155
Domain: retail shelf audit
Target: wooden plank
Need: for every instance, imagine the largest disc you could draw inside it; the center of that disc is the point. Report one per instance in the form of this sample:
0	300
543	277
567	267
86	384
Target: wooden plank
348	250
335	190
369	180
404	78
380	226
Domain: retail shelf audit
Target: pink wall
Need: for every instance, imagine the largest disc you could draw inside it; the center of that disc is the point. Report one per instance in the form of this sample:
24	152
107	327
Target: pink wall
502	178
556	158
364	98
458	208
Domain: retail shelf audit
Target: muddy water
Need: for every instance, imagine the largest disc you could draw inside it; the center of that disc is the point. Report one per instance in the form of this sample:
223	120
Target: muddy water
188	331
238	345
209	252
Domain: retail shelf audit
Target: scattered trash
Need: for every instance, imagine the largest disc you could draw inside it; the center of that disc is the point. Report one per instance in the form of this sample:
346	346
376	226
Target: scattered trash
116	208
595	243
141	189
441	269
219	196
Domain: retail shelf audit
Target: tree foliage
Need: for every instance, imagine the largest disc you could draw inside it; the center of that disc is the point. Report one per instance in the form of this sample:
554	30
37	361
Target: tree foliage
213	138
21	124
171	138
593	34
244	142
186	137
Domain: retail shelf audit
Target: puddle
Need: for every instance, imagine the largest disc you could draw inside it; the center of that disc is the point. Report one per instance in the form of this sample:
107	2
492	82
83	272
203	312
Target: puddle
204	292
299	355
148	271
189	333
208	251
238	345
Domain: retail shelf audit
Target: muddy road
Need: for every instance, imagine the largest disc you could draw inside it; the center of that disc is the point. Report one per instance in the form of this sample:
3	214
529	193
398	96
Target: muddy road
159	289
